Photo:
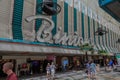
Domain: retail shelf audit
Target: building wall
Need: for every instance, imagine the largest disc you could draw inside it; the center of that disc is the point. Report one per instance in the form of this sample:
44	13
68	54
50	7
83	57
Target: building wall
95	6
28	28
6	10
82	23
85	23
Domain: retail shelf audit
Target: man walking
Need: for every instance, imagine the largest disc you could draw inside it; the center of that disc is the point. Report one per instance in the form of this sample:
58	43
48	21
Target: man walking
7	68
93	69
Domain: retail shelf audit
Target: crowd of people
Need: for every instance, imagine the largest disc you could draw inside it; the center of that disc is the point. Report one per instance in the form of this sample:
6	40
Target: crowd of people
92	69
50	70
8	69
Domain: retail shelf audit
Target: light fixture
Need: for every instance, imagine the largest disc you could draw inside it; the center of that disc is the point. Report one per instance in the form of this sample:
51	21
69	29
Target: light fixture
118	41
100	31
48	7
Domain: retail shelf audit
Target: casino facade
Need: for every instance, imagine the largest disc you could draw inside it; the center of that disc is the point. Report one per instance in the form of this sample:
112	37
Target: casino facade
55	38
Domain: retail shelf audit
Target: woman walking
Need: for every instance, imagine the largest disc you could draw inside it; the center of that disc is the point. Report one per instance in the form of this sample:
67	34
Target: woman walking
88	69
48	71
52	67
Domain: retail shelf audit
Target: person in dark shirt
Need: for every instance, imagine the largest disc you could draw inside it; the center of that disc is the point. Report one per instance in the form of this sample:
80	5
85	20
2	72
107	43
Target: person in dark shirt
7	69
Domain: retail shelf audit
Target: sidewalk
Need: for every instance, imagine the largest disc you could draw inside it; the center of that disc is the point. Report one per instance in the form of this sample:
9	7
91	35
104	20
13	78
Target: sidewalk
72	75
57	75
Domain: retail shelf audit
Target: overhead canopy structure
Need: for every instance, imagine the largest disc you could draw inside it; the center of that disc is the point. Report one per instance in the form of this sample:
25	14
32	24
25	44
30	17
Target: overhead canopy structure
112	7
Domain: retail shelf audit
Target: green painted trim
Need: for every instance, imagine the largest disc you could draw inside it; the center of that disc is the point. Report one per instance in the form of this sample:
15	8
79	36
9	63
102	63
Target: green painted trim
38	22
94	34
103	39
107	43
16	41
75	19
89	27
103	42
94	31
113	43
109	39
65	17
17	19
99	37
113	40
54	18
82	15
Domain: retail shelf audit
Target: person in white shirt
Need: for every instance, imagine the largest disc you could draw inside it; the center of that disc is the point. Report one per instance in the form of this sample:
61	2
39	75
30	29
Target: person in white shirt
52	68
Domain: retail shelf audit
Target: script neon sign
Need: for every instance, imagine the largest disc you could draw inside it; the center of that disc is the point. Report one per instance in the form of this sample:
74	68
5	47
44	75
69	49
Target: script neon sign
44	34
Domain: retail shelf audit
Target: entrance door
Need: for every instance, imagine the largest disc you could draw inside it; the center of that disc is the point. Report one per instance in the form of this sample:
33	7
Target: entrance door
65	63
35	66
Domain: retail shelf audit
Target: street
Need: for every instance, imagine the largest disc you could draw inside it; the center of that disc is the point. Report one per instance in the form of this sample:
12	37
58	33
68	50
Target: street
80	75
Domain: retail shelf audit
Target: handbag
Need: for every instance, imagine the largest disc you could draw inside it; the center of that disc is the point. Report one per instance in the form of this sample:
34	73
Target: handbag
86	71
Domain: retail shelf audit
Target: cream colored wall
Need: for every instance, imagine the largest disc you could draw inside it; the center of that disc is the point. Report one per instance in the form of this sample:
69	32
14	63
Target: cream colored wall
70	20
60	16
94	5
6	9
28	28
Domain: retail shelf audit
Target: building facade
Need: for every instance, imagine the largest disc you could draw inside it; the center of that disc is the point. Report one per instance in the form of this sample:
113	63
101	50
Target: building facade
21	40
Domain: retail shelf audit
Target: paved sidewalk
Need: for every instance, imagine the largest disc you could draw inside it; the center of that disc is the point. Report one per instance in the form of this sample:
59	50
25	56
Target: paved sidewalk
57	76
81	75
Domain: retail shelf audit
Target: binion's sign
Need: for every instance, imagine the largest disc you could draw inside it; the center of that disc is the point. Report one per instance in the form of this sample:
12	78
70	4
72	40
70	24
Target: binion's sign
44	34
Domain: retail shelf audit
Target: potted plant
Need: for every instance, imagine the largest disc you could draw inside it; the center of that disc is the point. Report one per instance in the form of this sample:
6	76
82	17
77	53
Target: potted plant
103	52
86	46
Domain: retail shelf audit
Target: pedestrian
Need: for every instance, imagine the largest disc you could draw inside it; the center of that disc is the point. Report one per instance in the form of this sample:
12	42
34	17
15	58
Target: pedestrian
48	71
64	67
88	69
18	72
98	68
7	69
106	64
52	67
93	69
110	64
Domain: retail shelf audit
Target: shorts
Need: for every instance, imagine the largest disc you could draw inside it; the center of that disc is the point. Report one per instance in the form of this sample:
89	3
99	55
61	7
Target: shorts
48	72
93	72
